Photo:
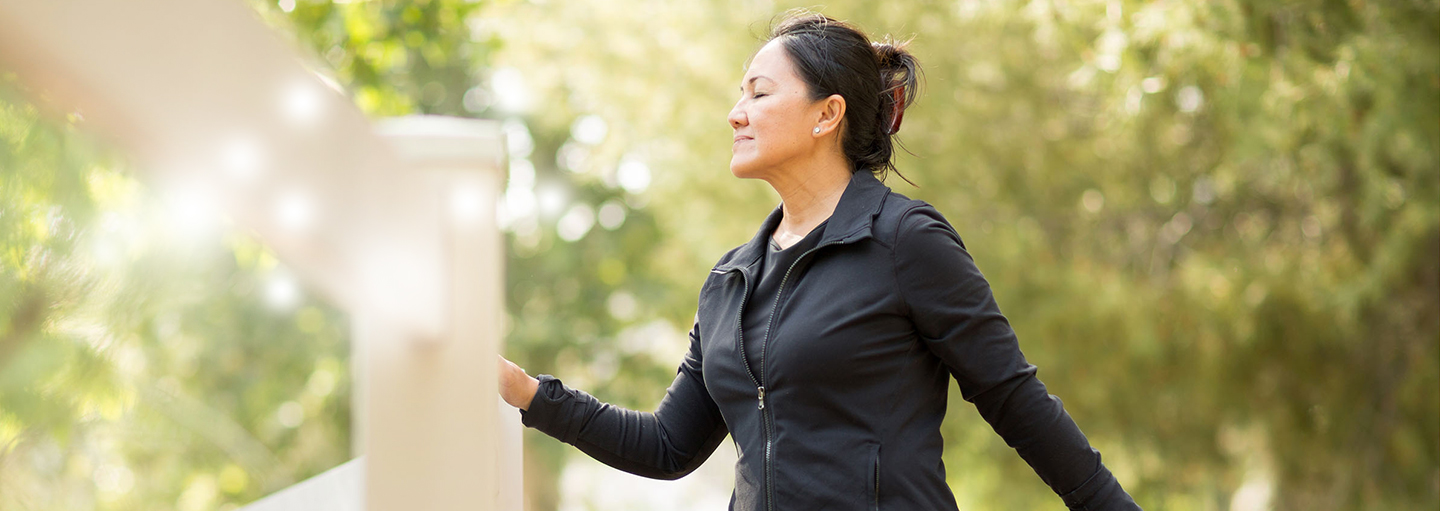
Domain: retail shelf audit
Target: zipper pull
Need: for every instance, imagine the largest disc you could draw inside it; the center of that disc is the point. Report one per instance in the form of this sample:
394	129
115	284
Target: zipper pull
760	392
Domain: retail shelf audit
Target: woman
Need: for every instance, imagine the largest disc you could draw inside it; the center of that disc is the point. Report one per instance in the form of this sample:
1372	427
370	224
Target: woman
825	345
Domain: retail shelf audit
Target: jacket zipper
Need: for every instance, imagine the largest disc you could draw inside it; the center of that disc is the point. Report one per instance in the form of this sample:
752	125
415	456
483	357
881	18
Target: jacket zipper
759	389
740	337
768	418
765	418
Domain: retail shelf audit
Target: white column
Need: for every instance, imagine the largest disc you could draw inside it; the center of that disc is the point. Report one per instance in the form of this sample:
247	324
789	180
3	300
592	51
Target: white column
431	425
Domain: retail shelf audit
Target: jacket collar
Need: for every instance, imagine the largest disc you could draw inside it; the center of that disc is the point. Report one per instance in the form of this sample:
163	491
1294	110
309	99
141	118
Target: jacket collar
852	220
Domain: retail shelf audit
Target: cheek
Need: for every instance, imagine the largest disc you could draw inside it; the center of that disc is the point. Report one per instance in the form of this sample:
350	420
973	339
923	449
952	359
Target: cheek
776	128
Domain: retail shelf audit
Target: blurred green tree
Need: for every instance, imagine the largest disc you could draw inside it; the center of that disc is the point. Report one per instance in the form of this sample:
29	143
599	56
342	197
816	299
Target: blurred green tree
1215	227
145	361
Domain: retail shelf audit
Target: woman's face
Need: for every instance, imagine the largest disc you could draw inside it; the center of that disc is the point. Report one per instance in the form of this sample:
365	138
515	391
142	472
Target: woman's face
775	117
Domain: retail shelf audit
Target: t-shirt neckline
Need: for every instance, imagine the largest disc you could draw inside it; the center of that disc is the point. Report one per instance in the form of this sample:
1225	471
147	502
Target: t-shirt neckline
775	245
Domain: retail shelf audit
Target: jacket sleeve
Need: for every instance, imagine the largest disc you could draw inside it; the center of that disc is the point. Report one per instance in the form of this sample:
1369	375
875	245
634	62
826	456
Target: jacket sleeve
668	443
956	316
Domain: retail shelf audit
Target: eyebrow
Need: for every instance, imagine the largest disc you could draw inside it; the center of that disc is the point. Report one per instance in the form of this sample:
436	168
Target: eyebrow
756	77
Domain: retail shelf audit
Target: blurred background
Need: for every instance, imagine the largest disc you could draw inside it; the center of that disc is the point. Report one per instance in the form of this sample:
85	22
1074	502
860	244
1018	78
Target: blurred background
1215	227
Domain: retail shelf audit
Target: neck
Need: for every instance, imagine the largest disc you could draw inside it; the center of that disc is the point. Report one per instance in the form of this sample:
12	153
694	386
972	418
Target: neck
809	195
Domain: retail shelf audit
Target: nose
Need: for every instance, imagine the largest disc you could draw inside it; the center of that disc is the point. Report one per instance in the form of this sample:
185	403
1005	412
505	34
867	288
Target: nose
737	117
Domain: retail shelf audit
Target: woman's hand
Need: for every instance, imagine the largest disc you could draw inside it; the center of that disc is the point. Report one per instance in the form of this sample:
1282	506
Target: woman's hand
516	387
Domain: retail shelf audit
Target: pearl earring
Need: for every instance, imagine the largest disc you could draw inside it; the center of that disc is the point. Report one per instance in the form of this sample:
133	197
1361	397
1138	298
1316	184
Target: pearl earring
817	130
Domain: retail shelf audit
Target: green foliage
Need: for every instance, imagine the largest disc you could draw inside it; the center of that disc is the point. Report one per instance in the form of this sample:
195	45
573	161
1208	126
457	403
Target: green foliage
395	58
141	366
1215	227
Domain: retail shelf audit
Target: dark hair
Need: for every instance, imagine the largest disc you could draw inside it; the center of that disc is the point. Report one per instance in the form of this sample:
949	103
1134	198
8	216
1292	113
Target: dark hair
835	57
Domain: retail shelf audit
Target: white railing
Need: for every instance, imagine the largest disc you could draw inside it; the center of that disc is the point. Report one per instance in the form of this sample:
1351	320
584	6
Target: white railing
395	224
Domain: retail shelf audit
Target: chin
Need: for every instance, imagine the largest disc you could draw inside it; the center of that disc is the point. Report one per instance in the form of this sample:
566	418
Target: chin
742	169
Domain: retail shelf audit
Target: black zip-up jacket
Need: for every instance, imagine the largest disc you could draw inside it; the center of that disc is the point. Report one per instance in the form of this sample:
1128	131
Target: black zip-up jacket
844	410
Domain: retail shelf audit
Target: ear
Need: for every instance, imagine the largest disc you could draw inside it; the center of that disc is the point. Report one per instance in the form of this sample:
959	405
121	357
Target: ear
829	113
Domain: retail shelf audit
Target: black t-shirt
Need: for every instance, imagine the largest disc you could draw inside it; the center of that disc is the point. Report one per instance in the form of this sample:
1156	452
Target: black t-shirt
761	305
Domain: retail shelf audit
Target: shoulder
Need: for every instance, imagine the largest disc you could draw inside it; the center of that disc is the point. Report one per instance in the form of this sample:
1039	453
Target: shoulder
903	221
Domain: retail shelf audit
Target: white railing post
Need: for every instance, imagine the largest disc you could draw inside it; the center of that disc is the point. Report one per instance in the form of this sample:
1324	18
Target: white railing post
432	427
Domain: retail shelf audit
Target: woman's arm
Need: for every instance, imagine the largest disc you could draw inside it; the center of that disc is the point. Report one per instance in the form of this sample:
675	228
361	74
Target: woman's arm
668	443
952	308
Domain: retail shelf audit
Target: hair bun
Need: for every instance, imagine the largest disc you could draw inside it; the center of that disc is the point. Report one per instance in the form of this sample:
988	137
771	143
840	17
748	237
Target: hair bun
886	53
899	80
